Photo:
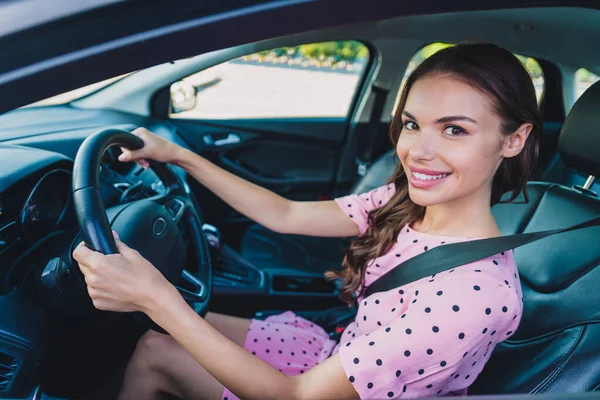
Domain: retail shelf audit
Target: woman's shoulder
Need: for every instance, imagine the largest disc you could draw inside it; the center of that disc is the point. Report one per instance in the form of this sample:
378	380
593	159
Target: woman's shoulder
493	281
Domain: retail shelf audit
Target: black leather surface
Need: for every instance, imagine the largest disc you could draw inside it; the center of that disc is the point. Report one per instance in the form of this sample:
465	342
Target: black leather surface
89	209
579	140
557	346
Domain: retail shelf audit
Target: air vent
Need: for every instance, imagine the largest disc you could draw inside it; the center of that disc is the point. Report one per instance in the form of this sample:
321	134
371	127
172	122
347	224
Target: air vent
8	368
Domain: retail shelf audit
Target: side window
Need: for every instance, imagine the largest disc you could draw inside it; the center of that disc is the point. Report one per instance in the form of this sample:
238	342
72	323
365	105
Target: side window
532	66
306	81
583	80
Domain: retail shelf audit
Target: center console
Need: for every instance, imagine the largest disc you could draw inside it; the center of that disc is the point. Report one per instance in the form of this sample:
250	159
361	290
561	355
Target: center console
232	275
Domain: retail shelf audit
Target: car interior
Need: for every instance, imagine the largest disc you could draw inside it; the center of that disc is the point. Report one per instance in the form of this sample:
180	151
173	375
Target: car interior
306	142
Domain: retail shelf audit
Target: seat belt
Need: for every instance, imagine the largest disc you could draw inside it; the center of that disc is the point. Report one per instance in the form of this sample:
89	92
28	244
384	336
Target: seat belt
366	143
445	257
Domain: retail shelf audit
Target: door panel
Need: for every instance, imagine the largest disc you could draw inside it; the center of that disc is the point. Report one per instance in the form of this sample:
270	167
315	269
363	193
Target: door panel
297	159
278	118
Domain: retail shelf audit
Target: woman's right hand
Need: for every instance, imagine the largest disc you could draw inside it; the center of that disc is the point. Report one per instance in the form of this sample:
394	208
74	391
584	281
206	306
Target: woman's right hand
155	148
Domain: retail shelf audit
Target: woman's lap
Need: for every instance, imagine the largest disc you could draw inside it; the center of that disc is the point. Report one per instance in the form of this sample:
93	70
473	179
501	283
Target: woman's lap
175	370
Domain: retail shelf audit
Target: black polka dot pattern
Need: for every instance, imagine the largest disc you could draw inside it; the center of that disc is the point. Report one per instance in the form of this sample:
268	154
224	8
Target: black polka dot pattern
407	328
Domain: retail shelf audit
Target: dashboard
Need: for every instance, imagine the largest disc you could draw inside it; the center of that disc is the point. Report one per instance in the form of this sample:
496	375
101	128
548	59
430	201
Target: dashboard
47	333
40	204
37	227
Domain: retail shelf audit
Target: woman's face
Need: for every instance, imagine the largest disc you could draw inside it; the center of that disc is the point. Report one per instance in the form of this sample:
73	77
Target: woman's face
451	144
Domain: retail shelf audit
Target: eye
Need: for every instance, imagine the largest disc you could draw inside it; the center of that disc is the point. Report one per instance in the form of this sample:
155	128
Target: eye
410	125
453	130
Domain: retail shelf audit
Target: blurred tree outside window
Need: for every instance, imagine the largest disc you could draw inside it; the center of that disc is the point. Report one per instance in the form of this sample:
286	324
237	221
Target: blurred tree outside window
316	80
583	80
532	66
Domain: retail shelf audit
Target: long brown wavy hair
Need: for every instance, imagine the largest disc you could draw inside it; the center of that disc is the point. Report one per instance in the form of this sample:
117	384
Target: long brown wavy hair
490	69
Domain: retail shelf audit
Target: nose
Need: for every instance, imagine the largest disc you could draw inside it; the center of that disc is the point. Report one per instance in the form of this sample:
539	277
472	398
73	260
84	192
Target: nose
422	148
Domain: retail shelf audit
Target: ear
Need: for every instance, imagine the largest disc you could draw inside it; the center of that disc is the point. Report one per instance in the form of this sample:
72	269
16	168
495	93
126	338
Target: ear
516	141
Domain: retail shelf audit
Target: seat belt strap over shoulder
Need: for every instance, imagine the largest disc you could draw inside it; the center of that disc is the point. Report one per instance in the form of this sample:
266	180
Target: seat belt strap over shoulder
379	91
445	257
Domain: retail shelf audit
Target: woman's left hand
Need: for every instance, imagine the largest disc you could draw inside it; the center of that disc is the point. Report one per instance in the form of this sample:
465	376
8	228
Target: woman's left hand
120	282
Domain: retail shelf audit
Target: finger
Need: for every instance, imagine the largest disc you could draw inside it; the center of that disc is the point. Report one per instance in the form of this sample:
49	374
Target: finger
90	258
131	155
91	279
81	252
125	155
84	270
121	247
140	132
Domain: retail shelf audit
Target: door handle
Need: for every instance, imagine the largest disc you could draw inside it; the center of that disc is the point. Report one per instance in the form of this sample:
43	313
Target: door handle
231	138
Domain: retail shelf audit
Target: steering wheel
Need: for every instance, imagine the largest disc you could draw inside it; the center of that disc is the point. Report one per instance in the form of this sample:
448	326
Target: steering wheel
155	226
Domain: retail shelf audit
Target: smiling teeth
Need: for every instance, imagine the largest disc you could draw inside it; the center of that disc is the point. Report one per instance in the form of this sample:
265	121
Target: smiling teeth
428	177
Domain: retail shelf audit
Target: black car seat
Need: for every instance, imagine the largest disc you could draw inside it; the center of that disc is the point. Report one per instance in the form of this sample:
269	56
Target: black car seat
271	250
557	345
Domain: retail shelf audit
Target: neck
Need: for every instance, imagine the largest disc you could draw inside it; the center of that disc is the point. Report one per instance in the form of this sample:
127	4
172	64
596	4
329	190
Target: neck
467	217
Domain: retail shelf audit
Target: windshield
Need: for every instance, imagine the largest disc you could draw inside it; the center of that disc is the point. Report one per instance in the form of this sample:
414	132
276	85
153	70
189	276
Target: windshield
68	97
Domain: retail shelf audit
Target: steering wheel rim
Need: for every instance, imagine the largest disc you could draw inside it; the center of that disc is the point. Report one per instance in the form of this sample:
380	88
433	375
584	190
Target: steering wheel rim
162	214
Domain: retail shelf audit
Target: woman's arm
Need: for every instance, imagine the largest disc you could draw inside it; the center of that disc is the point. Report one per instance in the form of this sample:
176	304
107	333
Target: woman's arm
245	375
126	282
314	218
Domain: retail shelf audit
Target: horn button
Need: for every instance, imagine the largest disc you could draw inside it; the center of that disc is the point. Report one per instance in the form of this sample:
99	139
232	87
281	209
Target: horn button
147	227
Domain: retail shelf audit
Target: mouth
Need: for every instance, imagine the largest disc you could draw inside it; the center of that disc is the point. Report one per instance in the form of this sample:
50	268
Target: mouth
425	181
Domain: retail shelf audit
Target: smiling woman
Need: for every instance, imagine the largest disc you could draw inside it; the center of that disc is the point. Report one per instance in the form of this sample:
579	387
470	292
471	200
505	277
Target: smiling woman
466	131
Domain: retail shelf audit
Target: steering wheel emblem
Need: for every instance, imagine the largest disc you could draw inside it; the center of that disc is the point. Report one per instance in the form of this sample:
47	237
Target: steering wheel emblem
159	227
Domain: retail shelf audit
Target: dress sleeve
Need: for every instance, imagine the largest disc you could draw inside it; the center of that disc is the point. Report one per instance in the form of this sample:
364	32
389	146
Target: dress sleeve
438	344
357	206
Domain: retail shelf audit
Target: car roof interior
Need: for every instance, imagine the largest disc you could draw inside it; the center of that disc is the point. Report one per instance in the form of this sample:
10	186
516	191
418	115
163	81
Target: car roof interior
541	32
550	33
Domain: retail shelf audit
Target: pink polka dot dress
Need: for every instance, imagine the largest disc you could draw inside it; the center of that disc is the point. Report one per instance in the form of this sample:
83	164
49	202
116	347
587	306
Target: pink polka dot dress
431	337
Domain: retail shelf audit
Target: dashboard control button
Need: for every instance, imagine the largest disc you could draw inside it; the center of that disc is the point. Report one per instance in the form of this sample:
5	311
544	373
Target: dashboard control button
173	207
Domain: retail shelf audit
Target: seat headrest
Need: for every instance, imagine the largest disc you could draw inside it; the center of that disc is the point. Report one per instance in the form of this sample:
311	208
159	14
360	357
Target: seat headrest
579	140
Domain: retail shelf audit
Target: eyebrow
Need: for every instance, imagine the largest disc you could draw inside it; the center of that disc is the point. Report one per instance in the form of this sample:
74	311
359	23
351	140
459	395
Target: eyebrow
444	120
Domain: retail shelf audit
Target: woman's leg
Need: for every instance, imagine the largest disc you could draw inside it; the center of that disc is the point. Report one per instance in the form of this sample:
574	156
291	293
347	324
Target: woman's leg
160	365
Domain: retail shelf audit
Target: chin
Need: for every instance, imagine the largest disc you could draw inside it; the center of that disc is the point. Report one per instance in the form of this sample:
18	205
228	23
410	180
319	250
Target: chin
428	197
424	199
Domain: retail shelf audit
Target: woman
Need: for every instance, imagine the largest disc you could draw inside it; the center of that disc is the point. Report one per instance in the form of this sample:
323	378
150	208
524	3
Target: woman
466	131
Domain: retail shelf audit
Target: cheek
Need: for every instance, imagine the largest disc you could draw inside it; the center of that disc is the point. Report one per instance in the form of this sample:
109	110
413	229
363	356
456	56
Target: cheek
475	164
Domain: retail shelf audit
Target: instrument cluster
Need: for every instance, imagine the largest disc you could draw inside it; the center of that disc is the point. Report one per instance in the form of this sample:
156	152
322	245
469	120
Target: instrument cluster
43	209
47	202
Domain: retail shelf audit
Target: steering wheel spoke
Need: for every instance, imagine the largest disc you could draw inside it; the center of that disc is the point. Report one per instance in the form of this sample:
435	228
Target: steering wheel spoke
191	288
175	206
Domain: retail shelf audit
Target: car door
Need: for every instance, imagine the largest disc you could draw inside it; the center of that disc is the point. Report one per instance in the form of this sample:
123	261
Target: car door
277	118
